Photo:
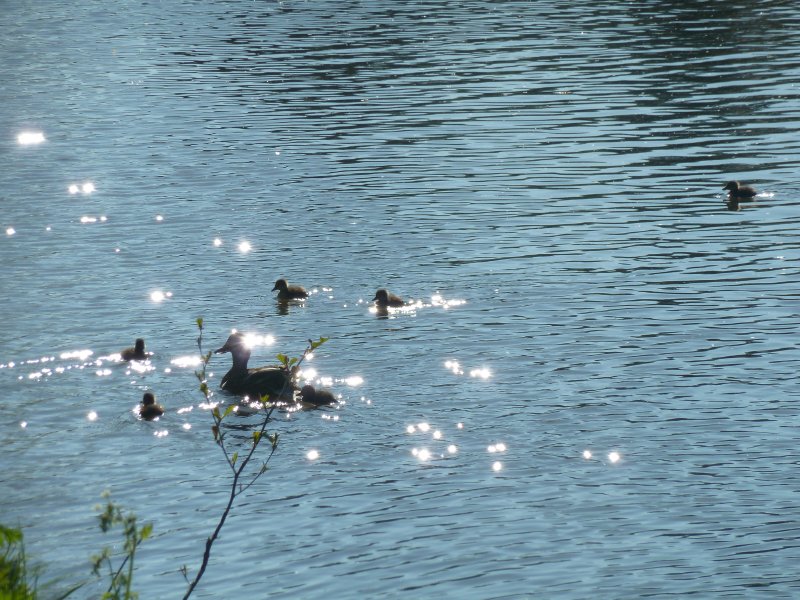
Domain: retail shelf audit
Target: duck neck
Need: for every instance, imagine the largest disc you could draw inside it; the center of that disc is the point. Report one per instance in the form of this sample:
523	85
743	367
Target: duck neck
240	359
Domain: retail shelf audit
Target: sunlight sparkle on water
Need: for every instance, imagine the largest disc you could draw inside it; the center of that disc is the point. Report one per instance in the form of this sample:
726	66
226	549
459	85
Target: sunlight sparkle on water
354	381
422	453
88	187
437	435
159	218
79	354
30	138
217	242
587	454
499	447
483	373
74	189
186	426
424	427
452	448
497	466
452	365
614	457
161	433
159	296
11	231
251	340
23	424
184	362
411	429
92	416
312	455
245	247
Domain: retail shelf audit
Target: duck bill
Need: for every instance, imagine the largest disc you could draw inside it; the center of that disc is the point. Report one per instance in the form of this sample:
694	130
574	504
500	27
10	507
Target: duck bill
222	350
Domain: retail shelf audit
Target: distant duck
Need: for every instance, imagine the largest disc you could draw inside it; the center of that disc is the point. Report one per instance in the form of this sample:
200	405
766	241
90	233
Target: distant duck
316	397
738	191
385	299
149	410
272	381
136	353
289	292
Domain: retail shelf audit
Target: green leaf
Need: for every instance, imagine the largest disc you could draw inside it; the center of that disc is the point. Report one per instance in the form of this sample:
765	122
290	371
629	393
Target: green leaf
234	457
228	410
147	529
274	440
283	359
199	322
256	437
264	399
215	412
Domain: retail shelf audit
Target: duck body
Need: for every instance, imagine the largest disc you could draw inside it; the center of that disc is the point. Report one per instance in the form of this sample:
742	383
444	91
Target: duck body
310	395
149	409
274	382
135	353
385	299
737	191
289	292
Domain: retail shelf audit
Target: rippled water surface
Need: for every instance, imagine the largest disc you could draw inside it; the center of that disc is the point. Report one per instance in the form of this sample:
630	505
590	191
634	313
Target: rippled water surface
607	408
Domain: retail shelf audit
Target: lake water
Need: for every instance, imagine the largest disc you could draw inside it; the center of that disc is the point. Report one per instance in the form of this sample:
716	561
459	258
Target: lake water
597	395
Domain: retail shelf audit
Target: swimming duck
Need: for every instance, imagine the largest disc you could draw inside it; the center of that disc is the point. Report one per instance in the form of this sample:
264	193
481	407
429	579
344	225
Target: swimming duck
316	397
149	410
739	191
385	299
289	292
135	353
272	381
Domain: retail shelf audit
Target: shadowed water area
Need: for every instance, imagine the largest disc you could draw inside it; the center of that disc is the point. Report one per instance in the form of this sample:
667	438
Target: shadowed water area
596	395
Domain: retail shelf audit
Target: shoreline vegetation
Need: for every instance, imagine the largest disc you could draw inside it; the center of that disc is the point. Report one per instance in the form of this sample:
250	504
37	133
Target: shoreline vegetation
19	580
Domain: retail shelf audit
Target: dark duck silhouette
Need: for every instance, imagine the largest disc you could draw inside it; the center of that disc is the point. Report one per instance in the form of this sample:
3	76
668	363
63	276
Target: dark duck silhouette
272	381
385	299
149	410
737	191
135	353
311	395
289	292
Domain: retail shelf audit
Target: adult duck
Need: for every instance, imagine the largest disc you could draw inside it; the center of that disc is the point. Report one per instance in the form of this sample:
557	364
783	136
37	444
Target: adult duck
385	299
149	409
135	353
310	395
289	292
737	191
274	382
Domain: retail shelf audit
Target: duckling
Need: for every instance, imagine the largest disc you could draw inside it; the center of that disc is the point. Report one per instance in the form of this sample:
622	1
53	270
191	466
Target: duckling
739	191
385	299
289	292
135	353
316	397
149	410
257	382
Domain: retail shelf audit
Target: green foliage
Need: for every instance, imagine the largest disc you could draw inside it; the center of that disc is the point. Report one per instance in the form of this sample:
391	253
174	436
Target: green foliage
239	461
120	579
14	574
18	580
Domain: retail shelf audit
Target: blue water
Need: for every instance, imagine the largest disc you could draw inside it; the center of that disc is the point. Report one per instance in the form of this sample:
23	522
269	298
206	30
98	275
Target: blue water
608	407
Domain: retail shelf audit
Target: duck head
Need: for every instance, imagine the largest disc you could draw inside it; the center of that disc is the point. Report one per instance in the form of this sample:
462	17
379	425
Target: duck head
148	399
138	346
731	186
381	296
280	285
236	345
